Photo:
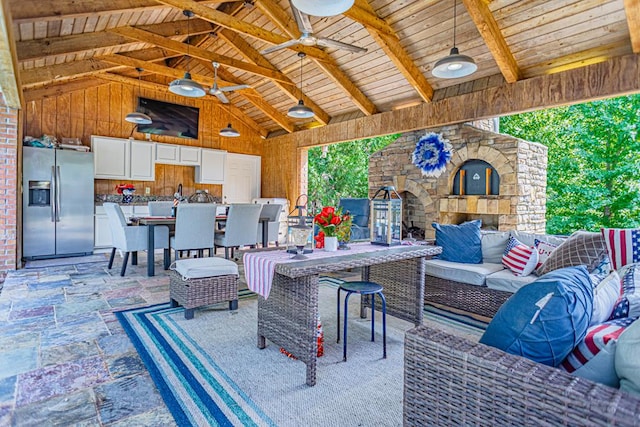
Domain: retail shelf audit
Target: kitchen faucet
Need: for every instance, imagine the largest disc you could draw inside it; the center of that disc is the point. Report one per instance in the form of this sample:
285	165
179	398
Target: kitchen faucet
180	190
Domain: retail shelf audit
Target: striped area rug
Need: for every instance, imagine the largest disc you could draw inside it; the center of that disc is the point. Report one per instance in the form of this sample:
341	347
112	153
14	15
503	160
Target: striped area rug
209	370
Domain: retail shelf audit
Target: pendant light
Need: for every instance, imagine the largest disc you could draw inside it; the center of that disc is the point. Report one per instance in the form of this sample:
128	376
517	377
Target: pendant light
300	111
322	7
454	65
137	117
185	86
229	131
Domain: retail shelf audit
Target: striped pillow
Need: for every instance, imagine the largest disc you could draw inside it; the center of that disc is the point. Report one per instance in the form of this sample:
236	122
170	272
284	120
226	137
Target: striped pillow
519	258
623	245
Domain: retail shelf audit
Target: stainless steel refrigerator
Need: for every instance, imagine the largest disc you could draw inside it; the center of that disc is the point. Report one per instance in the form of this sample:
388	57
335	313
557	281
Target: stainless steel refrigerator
58	203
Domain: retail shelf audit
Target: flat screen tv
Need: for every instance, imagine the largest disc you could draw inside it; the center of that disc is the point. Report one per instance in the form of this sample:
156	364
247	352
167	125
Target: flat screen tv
169	119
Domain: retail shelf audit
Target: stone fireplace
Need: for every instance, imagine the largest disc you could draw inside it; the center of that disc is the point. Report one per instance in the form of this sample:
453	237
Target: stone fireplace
497	178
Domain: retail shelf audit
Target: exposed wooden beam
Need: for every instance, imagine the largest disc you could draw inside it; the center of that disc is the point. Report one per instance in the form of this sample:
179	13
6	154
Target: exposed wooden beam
65	71
252	55
238	25
288	25
9	77
89	42
632	10
43	11
488	28
615	77
147	37
392	47
57	89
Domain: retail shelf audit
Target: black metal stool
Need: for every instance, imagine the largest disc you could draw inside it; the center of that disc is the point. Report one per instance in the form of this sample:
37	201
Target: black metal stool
363	288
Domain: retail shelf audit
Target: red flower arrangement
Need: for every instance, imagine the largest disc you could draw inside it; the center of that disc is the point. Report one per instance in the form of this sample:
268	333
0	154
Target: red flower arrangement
121	187
328	221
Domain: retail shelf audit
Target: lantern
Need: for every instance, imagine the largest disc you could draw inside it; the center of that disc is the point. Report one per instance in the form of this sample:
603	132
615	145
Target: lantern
386	217
300	230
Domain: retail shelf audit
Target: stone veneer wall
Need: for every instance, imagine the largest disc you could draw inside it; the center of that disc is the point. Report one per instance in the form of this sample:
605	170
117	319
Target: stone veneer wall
521	165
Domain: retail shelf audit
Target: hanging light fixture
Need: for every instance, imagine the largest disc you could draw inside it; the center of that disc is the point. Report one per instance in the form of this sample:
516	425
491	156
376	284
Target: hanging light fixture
323	7
300	111
454	65
137	117
185	86
229	131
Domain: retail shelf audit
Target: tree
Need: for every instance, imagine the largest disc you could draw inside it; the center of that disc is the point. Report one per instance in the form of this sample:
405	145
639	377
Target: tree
343	171
594	162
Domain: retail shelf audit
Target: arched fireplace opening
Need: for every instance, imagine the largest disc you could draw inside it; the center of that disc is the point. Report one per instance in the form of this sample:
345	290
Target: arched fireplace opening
476	177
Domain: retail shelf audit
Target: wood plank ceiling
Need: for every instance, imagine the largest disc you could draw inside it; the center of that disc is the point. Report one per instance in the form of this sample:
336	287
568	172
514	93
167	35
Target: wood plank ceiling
65	45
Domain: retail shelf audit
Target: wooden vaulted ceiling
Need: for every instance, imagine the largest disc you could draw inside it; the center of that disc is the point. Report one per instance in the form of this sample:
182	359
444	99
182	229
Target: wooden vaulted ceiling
65	45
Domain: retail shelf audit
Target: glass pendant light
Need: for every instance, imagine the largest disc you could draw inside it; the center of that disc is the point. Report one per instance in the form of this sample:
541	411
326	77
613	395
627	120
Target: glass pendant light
185	86
137	117
300	111
323	7
454	65
229	131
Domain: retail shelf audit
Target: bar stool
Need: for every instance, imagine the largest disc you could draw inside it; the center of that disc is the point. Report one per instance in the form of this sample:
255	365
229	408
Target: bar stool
363	288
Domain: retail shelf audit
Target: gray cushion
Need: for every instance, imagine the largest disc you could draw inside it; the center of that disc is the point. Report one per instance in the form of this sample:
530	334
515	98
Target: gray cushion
197	268
581	248
529	238
472	274
505	280
627	362
493	244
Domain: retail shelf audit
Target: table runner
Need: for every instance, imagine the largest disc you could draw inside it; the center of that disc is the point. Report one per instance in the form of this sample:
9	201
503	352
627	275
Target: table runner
259	267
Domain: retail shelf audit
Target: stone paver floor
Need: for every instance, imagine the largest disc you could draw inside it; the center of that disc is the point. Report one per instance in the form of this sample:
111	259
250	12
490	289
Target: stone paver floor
64	358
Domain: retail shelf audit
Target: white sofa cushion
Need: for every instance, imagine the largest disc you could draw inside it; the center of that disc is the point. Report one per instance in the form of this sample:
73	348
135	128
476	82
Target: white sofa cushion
197	268
529	239
493	244
472	274
505	280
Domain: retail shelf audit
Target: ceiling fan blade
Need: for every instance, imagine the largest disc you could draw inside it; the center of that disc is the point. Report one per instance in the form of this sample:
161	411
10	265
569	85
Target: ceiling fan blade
302	19
280	46
339	45
221	96
232	88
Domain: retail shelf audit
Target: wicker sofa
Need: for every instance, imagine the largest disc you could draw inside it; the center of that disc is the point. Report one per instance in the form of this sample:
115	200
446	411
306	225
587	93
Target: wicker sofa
450	380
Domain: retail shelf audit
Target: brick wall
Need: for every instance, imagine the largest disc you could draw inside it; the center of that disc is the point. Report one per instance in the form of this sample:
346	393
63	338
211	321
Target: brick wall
521	165
8	185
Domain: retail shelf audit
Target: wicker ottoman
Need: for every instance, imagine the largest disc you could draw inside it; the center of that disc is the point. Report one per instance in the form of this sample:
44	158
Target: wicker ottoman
202	281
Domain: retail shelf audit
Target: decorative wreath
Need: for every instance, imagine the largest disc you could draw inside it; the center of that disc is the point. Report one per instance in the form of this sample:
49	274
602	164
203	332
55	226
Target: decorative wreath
432	154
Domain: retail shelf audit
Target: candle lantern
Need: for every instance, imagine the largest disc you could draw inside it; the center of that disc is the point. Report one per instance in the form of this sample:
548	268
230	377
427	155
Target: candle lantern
386	217
300	229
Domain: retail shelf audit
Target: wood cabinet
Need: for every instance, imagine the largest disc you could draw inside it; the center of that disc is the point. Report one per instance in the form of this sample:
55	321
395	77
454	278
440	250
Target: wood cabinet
212	167
119	158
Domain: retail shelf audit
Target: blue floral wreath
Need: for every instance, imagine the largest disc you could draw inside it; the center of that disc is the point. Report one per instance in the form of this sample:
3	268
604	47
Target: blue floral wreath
432	154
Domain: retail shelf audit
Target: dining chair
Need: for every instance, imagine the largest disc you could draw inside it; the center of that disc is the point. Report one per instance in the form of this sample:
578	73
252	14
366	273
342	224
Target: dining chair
240	230
271	211
195	226
130	239
160	208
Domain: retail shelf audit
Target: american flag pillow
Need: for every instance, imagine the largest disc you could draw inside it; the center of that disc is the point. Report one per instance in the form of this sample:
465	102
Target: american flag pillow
597	338
519	258
623	245
544	250
628	305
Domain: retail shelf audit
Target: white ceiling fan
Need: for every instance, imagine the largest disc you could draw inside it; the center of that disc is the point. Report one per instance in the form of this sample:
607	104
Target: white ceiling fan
308	39
219	91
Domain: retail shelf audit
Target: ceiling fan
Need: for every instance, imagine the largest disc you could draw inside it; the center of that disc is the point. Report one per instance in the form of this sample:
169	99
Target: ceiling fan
219	91
308	39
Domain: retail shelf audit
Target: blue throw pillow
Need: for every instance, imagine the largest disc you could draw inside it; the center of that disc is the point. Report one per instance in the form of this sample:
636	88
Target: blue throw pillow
545	319
460	243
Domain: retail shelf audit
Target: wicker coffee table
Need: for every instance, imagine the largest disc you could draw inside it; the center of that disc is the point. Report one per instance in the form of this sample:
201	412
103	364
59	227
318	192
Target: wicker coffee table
288	317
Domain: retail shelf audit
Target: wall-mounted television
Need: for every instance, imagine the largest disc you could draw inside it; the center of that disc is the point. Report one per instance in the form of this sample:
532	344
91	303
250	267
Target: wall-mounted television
169	119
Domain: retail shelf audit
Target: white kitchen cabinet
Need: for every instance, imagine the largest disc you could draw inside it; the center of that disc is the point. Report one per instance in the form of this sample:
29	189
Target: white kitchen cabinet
190	155
143	167
111	157
120	158
171	154
212	167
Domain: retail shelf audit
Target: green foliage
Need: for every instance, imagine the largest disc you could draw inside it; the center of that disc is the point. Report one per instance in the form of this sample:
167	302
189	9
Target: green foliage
343	171
594	162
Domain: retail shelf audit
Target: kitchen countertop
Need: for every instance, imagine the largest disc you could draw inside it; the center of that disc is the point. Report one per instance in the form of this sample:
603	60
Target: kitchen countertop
137	200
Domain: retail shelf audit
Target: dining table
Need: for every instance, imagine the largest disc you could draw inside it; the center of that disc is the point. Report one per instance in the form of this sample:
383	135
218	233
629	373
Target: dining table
288	290
170	221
